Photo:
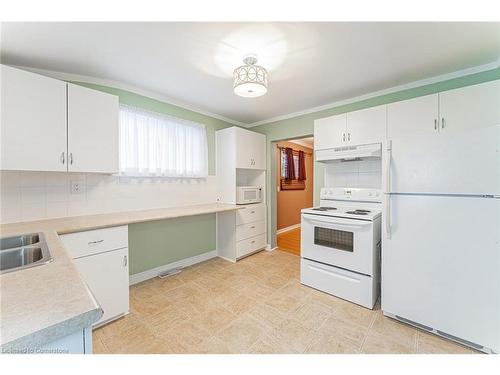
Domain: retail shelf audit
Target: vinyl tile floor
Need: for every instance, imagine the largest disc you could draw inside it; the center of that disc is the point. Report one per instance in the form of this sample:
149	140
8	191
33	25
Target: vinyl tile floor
256	305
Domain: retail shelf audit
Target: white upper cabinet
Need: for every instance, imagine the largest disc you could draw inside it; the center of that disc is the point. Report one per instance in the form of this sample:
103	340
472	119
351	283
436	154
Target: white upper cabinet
33	116
349	129
471	107
413	117
49	125
476	106
330	132
92	131
367	126
250	149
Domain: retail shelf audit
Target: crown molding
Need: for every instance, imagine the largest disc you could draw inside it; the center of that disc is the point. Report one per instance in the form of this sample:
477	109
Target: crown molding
163	98
127	87
406	86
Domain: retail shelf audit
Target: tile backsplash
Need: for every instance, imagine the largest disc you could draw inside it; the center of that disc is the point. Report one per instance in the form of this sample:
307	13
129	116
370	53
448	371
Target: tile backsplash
355	174
41	195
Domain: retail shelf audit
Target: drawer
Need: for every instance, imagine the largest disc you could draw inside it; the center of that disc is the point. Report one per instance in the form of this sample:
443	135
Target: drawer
91	242
251	213
250	245
345	284
245	231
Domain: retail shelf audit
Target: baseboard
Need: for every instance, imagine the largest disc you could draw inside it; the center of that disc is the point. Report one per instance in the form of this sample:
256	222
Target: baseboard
269	248
149	274
287	229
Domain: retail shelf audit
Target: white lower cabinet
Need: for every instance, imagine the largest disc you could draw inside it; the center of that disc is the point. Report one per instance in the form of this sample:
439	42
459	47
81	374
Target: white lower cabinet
79	342
101	257
242	232
250	245
106	274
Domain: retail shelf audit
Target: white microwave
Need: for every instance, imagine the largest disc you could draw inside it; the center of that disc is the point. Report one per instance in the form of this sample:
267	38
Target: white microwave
248	194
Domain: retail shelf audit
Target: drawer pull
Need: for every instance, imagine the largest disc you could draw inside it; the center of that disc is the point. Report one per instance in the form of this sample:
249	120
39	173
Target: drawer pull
252	212
95	242
253	241
252	227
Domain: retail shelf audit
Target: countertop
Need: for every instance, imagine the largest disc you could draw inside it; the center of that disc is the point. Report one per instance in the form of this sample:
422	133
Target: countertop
44	303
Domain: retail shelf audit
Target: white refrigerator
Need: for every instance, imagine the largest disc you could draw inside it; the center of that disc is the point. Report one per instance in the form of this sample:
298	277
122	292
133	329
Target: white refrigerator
441	232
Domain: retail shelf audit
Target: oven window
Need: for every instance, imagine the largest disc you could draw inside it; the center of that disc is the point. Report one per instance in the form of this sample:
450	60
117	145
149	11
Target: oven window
337	239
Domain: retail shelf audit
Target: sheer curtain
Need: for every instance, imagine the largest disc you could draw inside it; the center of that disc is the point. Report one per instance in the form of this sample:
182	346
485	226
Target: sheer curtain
154	144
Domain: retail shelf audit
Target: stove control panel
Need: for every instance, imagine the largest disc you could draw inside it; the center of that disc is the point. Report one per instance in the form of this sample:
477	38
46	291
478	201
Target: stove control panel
355	194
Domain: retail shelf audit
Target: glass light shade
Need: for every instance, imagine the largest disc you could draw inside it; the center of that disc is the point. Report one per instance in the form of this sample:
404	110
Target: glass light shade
250	90
250	80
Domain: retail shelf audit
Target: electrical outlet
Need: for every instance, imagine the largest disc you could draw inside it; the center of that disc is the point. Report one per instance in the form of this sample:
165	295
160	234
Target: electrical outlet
77	187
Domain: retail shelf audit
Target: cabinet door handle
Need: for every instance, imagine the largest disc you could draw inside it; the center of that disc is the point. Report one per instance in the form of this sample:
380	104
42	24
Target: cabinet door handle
95	242
343	137
349	137
62	158
71	158
442	123
125	261
435	124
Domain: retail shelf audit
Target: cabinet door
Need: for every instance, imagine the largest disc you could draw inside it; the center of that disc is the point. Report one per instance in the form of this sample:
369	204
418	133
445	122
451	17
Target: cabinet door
476	106
413	118
33	118
330	132
250	149
367	126
259	150
106	274
92	130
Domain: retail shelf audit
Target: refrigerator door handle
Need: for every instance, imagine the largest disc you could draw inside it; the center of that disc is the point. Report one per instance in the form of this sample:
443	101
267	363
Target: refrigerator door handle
387	190
387	219
387	169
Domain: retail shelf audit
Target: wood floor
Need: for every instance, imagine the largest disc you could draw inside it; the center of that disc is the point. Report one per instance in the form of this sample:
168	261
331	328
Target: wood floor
256	305
290	241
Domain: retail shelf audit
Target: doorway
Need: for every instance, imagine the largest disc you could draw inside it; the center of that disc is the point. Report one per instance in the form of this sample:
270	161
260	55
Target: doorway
294	163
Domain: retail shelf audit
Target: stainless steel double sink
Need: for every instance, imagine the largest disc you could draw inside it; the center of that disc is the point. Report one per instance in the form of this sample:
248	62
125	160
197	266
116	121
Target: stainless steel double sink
23	251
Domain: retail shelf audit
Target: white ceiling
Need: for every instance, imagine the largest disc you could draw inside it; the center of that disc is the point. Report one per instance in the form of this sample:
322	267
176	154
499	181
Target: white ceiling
306	142
310	64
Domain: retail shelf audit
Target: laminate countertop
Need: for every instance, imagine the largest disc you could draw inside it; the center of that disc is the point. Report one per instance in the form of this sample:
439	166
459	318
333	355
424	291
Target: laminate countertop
44	303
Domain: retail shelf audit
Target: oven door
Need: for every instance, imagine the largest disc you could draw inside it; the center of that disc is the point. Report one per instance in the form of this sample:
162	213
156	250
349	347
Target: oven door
340	242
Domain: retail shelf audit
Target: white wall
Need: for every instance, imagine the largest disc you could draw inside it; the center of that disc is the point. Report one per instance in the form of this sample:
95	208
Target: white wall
40	195
354	174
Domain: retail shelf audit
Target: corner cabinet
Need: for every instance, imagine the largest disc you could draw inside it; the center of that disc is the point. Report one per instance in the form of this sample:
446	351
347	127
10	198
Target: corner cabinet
101	257
33	120
53	126
240	161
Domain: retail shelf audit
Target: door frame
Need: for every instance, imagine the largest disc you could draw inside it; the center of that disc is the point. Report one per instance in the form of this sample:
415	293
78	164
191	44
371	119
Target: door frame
273	202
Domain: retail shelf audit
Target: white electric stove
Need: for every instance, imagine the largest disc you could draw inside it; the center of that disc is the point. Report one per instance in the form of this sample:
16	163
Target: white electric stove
340	244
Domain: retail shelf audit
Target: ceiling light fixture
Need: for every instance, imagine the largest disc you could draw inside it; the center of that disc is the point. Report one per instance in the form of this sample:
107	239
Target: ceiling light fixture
250	80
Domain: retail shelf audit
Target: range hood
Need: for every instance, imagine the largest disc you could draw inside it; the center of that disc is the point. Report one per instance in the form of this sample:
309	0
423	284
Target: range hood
349	153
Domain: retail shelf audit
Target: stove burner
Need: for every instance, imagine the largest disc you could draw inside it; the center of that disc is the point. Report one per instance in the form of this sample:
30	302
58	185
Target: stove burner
358	212
324	208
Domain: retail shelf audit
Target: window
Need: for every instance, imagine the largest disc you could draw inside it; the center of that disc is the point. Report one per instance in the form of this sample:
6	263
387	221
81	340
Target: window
290	158
154	144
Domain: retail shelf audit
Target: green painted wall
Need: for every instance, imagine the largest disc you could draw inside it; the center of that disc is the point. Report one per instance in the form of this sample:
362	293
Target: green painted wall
153	244
302	126
212	124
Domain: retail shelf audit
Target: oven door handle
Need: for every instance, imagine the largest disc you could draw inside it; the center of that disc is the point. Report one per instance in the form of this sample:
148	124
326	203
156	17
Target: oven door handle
336	225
